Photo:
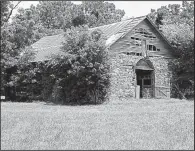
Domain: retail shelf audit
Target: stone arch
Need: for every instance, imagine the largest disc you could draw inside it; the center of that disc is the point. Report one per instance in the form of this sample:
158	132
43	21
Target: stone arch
144	64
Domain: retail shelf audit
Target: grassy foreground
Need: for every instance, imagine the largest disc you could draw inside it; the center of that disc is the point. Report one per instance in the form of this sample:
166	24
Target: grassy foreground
128	124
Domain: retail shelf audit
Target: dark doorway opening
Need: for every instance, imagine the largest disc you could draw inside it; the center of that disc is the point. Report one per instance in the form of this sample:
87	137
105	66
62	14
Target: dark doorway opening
146	82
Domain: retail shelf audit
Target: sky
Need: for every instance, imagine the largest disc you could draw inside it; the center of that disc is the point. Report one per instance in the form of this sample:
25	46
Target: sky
131	8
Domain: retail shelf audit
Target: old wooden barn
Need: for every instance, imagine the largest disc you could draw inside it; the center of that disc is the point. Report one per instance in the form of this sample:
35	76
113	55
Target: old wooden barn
139	57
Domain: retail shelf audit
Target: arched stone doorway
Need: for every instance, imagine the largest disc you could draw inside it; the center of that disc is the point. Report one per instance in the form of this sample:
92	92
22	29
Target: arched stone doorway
144	70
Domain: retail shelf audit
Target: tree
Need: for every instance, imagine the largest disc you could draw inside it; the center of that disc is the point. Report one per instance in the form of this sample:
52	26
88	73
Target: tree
64	14
56	14
6	10
101	13
182	38
8	55
80	73
178	27
174	13
15	37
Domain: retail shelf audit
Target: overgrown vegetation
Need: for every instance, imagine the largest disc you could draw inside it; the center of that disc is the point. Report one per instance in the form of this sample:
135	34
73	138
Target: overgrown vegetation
81	73
47	18
177	24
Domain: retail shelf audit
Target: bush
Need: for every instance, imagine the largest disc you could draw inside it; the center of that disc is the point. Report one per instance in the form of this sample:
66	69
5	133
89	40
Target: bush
24	83
181	36
81	71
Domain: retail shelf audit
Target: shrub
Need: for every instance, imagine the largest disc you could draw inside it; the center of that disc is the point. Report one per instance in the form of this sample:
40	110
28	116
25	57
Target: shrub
81	71
24	82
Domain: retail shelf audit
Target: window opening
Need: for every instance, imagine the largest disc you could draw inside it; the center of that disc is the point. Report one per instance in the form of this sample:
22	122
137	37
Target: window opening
147	81
133	53
152	48
138	54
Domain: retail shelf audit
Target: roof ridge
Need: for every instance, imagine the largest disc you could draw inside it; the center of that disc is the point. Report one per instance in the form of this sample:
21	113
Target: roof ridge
53	35
103	25
136	17
120	21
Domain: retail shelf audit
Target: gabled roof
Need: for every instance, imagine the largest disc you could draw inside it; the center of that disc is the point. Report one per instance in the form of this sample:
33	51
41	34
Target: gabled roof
49	45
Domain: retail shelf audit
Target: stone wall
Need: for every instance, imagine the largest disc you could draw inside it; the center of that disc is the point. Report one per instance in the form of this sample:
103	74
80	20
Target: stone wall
123	76
163	76
162	73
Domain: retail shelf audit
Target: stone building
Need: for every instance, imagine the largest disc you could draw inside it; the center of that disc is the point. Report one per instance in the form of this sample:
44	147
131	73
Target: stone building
139	57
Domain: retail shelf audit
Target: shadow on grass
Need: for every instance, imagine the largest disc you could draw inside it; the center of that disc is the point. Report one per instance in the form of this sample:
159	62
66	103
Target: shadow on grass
73	104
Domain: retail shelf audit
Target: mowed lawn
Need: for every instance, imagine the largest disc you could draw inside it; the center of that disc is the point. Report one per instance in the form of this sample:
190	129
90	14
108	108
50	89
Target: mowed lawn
128	124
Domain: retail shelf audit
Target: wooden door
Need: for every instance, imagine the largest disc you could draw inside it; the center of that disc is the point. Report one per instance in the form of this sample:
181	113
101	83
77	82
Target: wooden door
145	81
147	91
162	92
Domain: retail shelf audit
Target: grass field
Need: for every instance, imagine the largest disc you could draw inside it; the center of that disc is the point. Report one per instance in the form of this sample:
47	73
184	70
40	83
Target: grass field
129	124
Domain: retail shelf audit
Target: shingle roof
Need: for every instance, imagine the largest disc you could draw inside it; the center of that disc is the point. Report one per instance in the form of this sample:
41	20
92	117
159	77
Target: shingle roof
47	46
51	44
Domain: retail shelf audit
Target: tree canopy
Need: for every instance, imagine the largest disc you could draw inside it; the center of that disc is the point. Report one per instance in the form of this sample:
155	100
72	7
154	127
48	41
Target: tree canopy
177	24
64	14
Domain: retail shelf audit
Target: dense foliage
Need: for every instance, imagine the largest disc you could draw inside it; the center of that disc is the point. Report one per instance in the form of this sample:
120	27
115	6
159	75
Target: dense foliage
31	24
177	24
8	53
81	73
64	14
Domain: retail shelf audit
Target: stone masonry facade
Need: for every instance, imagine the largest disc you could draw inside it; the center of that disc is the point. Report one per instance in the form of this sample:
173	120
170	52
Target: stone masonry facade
123	75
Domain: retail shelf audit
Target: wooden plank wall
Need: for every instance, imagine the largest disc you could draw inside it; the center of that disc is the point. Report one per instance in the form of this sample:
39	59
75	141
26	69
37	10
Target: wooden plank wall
125	44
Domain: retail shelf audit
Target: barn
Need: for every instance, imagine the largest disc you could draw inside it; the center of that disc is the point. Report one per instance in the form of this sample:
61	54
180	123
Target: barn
139	57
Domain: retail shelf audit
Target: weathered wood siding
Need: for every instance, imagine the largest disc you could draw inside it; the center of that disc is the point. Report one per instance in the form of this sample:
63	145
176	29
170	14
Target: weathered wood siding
126	43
